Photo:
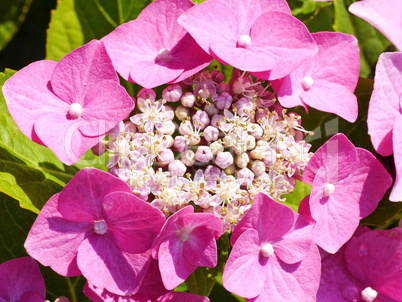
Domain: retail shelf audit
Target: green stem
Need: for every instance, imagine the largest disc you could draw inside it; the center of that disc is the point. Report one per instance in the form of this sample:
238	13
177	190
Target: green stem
72	290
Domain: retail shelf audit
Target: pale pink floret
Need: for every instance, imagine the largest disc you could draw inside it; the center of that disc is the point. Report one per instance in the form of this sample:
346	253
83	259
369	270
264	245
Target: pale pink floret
348	183
21	281
258	36
68	106
154	49
187	241
384	116
96	227
367	268
273	258
326	81
385	15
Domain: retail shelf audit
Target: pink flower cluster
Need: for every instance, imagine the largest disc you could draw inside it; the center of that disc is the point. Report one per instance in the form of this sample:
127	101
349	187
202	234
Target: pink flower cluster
211	155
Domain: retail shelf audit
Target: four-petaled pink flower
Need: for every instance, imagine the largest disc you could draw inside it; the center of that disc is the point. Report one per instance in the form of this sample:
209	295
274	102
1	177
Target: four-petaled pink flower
21	281
273	257
70	105
347	184
96	227
385	15
367	268
385	117
254	35
186	241
154	49
326	81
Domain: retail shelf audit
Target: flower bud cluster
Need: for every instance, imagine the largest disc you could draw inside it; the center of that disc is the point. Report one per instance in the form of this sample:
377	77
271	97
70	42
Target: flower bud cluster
210	144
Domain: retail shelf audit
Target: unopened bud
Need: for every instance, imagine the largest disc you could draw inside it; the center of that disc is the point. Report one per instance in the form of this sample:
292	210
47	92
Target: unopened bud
211	133
188	158
188	100
224	101
224	159
204	154
177	168
182	112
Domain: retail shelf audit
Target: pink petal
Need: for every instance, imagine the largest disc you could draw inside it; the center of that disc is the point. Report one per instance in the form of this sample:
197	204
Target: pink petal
81	199
396	193
335	156
79	70
133	222
384	15
208	221
271	219
54	241
181	297
200	249
63	136
171	265
244	273
104	265
32	99
21	279
331	97
375	258
106	103
385	101
292	282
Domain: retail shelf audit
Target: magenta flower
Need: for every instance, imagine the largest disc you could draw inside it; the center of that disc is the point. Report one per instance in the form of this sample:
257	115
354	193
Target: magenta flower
348	183
96	227
258	36
386	16
21	281
326	81
181	297
68	106
186	241
366	269
154	49
273	258
384	114
150	289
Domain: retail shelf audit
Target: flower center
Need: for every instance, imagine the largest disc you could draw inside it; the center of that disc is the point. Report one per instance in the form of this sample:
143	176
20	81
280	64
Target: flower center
267	250
327	189
244	41
75	110
307	82
368	294
183	235
163	55
100	227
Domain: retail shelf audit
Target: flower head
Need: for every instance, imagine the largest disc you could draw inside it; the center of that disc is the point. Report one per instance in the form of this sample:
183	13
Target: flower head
68	106
96	227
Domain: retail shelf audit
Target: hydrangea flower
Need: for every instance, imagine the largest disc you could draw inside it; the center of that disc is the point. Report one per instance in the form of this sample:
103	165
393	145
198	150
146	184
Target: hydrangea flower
154	49
256	36
186	241
386	16
366	269
273	257
326	81
68	106
384	115
96	227
347	184
21	281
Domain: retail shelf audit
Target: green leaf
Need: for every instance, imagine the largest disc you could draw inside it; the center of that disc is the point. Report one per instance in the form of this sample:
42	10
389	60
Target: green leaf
219	293
203	279
12	14
293	199
30	173
15	224
65	31
100	17
371	42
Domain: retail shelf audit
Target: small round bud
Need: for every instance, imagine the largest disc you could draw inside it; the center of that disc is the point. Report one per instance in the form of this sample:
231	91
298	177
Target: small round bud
224	160
224	101
222	87
211	110
188	158
182	112
244	107
242	160
212	173
204	154
201	119
165	157
216	147
169	128
211	133
146	93
188	100
180	143
172	93
246	175
258	167
99	148
230	170
255	130
177	168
